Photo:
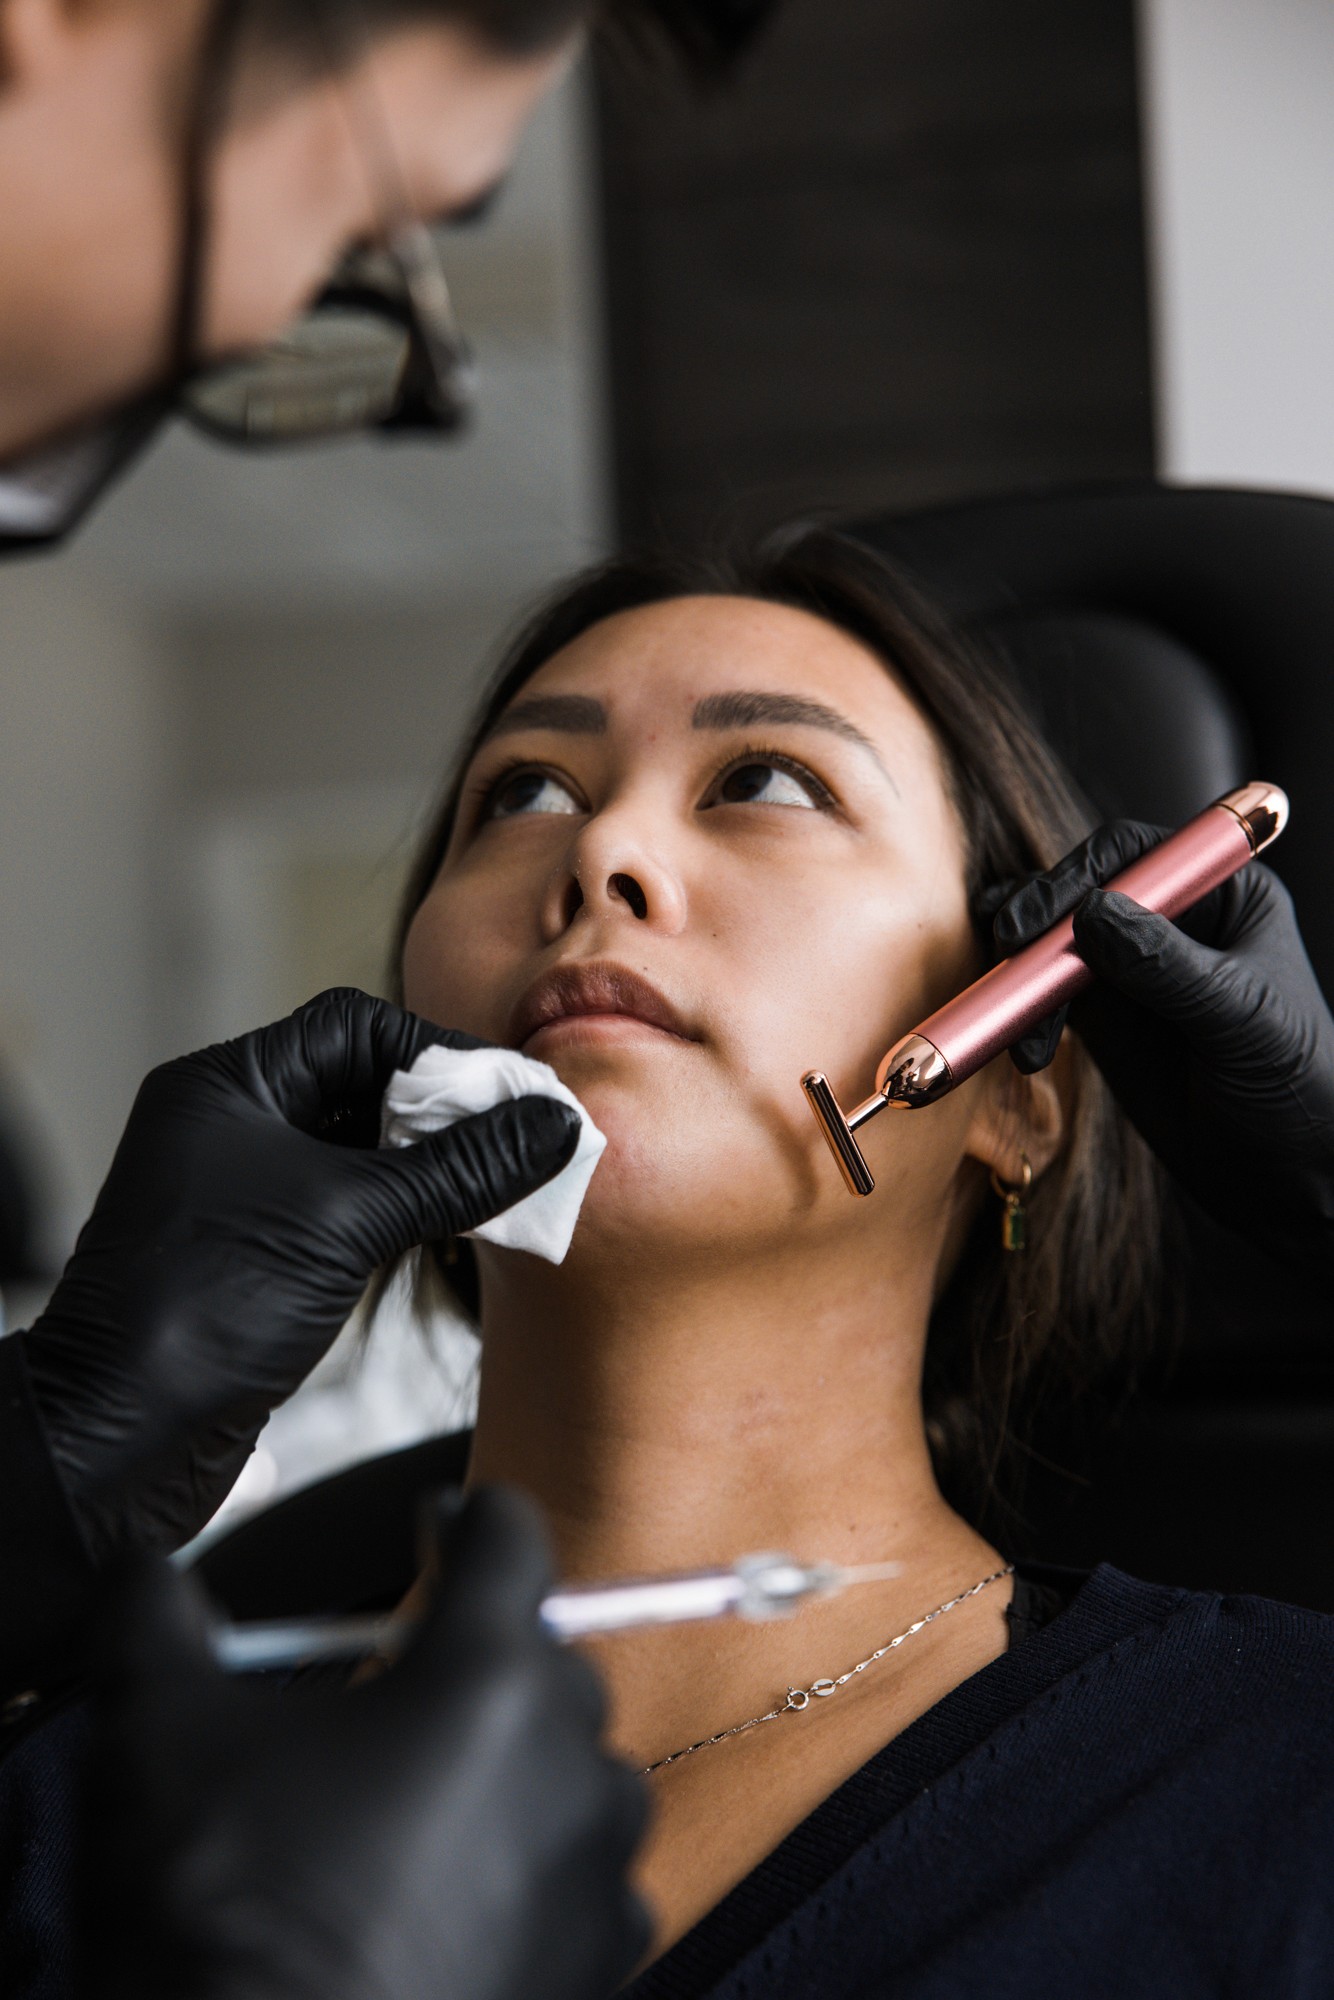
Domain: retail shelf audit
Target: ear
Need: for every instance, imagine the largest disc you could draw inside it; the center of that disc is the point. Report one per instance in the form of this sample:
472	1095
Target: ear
1021	1115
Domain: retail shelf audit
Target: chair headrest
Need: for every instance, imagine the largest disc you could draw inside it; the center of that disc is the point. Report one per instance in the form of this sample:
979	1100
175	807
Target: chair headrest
1173	642
1149	732
1202	617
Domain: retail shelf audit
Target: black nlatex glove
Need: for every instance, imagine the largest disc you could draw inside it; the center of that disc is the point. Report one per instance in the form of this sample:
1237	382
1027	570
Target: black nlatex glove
1212	1033
245	1211
450	1829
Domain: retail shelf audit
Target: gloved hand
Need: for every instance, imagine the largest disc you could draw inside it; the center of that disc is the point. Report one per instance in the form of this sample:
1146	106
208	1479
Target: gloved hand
450	1828
1211	1032
246	1209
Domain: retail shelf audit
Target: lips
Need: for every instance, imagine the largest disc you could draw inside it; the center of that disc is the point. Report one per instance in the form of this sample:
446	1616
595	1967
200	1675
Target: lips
568	991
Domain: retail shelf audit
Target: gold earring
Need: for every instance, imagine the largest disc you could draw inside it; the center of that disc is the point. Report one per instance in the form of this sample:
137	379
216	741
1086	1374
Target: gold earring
1014	1216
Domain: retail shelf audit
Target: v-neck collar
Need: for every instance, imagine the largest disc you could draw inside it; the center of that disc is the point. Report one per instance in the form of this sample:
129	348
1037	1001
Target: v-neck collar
954	1729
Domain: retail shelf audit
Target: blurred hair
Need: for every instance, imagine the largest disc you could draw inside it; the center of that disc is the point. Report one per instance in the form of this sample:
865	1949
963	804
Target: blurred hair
1060	1315
705	34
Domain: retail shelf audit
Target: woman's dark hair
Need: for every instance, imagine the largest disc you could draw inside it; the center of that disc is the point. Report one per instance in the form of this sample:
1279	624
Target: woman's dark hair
1073	1304
705	34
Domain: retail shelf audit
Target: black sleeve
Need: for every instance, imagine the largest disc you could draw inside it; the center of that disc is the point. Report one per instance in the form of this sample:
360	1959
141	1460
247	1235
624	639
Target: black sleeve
46	1570
42	1781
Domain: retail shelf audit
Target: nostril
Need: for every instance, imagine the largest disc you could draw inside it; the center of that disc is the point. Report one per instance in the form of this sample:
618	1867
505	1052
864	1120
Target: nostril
574	900
629	890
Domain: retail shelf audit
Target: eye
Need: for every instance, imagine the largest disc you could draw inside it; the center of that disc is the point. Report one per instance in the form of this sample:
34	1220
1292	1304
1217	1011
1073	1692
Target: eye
529	791
770	780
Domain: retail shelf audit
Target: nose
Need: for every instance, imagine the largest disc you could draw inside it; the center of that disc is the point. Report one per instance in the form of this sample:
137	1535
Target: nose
616	871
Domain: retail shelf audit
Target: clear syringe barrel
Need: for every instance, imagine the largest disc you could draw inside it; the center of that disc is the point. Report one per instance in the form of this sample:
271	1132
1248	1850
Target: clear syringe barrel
570	1614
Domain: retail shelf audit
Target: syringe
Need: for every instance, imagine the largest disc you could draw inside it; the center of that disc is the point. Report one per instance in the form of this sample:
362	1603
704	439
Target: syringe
755	1587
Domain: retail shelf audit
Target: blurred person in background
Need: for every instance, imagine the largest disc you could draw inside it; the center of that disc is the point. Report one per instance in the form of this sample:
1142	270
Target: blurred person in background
178	180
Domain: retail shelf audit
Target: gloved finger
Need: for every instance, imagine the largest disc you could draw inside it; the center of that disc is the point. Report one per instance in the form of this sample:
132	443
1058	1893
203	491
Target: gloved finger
629	1807
438	1515
633	1939
1238	910
988	901
152	1628
1044	899
1036	1049
1150	962
495	1570
580	1688
622	1826
326	1066
176	1393
607	1932
451	1181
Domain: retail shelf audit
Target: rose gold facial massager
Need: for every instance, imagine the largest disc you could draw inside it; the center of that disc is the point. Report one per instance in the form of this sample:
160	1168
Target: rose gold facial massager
1014	996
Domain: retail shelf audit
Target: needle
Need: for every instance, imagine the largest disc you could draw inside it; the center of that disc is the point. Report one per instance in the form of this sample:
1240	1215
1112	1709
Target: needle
755	1587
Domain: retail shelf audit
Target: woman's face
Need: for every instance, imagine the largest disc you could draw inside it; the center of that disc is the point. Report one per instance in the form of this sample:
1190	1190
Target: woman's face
706	848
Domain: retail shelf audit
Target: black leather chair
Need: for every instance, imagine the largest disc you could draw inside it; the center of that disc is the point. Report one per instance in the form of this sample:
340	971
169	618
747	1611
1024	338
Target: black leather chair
1174	642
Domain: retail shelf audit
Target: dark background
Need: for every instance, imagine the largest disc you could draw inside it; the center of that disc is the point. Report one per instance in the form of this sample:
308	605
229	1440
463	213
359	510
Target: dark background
900	260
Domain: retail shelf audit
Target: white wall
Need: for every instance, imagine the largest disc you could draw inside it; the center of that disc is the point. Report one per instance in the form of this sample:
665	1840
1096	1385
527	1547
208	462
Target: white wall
1239	128
83	745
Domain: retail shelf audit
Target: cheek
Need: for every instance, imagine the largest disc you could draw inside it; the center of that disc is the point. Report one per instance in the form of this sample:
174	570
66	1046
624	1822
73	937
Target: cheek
459	961
833	978
838	970
825	974
269	253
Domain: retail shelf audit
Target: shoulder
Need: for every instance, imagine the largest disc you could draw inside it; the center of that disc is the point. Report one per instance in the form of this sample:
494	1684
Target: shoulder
42	1778
1203	1621
1139	1799
1243	1632
1214	1663
1279	1657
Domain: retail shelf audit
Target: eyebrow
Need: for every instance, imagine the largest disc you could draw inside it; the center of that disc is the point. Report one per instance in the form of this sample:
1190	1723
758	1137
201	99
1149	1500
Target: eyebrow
571	714
745	709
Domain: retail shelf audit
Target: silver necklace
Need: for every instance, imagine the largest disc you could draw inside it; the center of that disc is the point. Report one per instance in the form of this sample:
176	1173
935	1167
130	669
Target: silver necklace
801	1698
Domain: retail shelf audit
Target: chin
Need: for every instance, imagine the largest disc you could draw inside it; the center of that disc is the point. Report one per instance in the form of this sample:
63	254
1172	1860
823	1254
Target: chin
631	1081
680	1178
631	1116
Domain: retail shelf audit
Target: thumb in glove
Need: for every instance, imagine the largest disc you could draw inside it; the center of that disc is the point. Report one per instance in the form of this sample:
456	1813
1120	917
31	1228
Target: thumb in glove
452	1827
246	1210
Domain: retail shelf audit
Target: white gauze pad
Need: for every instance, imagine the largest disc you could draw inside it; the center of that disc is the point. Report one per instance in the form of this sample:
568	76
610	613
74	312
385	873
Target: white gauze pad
445	1085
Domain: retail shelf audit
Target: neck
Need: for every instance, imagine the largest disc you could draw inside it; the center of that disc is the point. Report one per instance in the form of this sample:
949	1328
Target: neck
669	1425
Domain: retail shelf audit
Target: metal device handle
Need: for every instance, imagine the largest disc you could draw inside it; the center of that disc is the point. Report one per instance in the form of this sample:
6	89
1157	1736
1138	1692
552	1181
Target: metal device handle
991	1014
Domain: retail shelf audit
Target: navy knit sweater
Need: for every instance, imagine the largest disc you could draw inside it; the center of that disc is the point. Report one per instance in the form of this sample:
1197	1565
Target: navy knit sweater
1137	1803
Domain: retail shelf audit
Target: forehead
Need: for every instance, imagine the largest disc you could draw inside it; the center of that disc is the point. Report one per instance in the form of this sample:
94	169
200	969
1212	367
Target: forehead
650	666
